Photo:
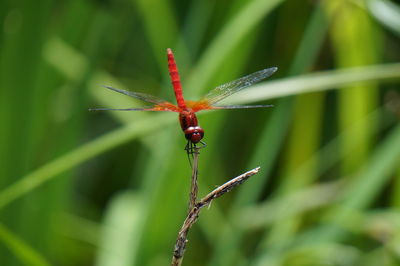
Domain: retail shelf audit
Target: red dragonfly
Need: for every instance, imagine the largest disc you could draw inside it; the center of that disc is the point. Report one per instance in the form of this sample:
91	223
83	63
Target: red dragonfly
187	109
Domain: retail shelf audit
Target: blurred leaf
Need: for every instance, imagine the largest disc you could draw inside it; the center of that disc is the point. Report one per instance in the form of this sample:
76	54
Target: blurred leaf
80	155
278	210
229	36
67	60
319	81
120	230
160	24
342	217
79	228
26	254
323	255
387	13
356	42
374	175
271	140
361	190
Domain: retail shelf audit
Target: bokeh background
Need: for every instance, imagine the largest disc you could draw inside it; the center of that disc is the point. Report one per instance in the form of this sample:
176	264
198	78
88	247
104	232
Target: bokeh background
111	188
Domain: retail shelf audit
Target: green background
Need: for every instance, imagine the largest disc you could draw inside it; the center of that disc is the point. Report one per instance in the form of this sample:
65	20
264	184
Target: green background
111	188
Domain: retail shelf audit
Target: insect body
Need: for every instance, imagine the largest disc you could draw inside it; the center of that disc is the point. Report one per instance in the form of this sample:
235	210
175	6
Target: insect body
187	109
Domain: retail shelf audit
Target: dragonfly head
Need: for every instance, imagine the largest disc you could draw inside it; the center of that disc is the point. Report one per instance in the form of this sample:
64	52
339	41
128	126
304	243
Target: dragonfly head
194	134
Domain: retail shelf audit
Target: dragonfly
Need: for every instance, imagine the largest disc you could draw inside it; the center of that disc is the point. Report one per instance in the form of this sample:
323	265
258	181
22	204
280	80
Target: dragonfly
187	109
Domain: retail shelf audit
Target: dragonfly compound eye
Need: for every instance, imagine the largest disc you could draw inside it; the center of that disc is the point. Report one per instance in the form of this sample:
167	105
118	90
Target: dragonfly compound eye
194	134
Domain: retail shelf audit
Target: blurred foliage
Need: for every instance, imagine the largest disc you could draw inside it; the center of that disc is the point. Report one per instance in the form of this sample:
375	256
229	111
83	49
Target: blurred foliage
110	188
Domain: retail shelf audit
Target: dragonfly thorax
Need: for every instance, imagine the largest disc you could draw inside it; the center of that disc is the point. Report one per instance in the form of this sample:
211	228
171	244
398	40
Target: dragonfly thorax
190	126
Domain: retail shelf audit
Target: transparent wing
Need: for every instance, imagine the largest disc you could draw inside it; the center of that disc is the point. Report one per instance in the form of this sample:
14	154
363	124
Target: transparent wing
203	105
145	108
158	103
141	96
241	106
227	89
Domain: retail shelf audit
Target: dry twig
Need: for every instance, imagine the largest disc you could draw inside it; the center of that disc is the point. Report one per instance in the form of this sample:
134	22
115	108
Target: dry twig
193	186
191	218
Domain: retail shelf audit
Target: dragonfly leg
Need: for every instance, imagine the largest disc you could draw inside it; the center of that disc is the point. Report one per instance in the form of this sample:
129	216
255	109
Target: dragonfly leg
189	151
203	145
192	148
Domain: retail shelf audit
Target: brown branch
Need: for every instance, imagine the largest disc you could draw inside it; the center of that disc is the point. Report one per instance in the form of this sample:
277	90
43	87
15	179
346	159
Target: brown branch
193	186
191	218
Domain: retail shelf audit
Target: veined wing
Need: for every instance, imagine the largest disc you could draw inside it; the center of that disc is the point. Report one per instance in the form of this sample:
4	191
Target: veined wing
144	108
227	89
242	106
158	103
203	105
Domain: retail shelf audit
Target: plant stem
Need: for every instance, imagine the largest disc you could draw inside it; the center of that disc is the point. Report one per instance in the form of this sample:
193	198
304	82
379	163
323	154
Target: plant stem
193	187
191	218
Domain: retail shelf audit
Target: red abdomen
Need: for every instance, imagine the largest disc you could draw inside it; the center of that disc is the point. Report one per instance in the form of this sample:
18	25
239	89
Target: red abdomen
175	79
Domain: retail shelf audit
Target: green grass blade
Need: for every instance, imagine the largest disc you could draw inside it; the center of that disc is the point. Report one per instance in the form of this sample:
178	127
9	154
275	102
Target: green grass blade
350	24
25	254
287	207
160	25
272	138
387	13
120	230
356	196
234	31
374	175
78	156
318	81
361	191
306	123
331	158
